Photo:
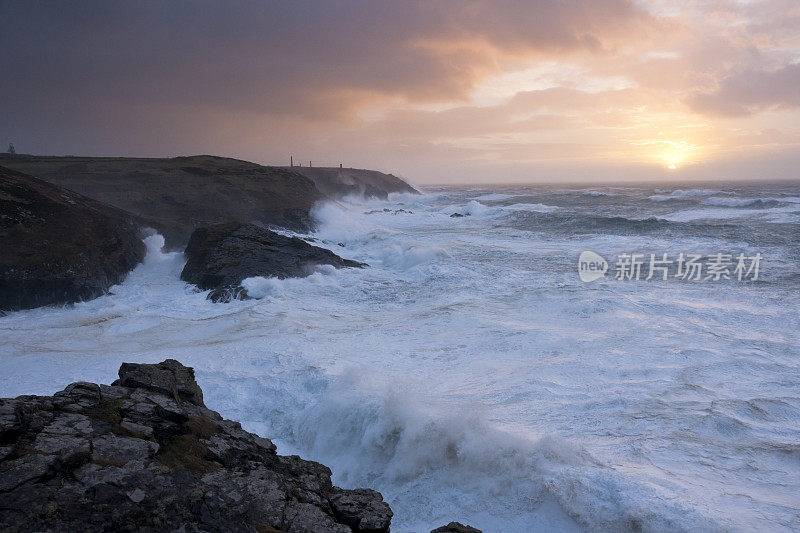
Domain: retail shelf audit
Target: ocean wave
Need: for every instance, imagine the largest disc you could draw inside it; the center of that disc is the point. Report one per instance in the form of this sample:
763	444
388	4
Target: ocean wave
539	208
336	223
455	462
475	209
682	193
407	255
596	193
582	224
770	214
738	202
260	287
691	215
491	197
783	218
401	376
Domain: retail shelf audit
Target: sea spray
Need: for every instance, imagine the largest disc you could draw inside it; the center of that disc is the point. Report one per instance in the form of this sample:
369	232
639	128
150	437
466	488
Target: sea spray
469	374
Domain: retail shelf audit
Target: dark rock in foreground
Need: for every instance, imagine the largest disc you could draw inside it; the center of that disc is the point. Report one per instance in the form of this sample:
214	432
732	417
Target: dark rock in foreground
220	257
456	527
145	454
58	246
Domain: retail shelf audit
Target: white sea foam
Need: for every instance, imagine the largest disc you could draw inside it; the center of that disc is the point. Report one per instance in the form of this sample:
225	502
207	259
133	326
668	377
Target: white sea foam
469	375
595	192
681	193
477	209
539	208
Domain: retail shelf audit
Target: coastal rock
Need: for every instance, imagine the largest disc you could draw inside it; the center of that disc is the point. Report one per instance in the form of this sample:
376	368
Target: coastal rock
456	527
145	454
219	257
336	183
59	247
176	195
361	509
169	378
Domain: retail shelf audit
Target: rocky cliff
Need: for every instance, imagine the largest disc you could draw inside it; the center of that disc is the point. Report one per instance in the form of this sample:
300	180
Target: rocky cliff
339	182
59	246
145	454
176	195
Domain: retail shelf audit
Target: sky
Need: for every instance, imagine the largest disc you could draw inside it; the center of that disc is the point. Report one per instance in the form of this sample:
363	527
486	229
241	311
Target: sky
436	91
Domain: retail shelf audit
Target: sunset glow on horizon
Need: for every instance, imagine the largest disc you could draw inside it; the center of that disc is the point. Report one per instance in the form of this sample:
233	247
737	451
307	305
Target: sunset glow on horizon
439	92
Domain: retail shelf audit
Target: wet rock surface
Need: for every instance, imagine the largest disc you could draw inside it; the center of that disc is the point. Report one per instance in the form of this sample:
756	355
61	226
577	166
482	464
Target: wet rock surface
59	247
145	454
219	257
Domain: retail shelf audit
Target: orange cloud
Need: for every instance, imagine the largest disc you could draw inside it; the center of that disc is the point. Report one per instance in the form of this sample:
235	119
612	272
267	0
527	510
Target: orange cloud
437	88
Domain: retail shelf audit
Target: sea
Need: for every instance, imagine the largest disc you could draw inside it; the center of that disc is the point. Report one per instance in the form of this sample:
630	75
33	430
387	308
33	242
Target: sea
469	372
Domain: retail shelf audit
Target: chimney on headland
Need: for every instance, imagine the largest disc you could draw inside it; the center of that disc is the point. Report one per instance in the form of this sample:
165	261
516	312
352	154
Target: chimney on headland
291	161
309	163
340	166
11	149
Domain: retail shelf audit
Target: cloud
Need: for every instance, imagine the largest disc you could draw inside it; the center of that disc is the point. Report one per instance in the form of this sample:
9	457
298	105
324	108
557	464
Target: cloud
430	88
316	59
748	92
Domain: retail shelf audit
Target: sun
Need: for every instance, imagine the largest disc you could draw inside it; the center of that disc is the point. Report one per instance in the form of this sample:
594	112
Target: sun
670	153
674	153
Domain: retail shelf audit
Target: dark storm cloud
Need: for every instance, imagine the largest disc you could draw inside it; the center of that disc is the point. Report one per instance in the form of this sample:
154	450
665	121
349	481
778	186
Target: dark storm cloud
430	88
307	58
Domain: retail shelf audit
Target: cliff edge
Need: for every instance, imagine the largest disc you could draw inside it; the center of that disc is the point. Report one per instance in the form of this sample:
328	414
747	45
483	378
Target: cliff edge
145	454
176	195
59	247
337	183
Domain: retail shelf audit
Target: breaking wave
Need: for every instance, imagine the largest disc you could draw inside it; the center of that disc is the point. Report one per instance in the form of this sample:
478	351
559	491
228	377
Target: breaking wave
469	375
681	193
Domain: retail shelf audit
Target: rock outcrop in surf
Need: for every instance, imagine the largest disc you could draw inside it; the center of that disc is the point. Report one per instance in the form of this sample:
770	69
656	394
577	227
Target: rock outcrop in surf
219	257
145	454
58	246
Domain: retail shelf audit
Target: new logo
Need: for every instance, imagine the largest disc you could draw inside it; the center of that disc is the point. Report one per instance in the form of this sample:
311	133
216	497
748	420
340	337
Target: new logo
591	266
